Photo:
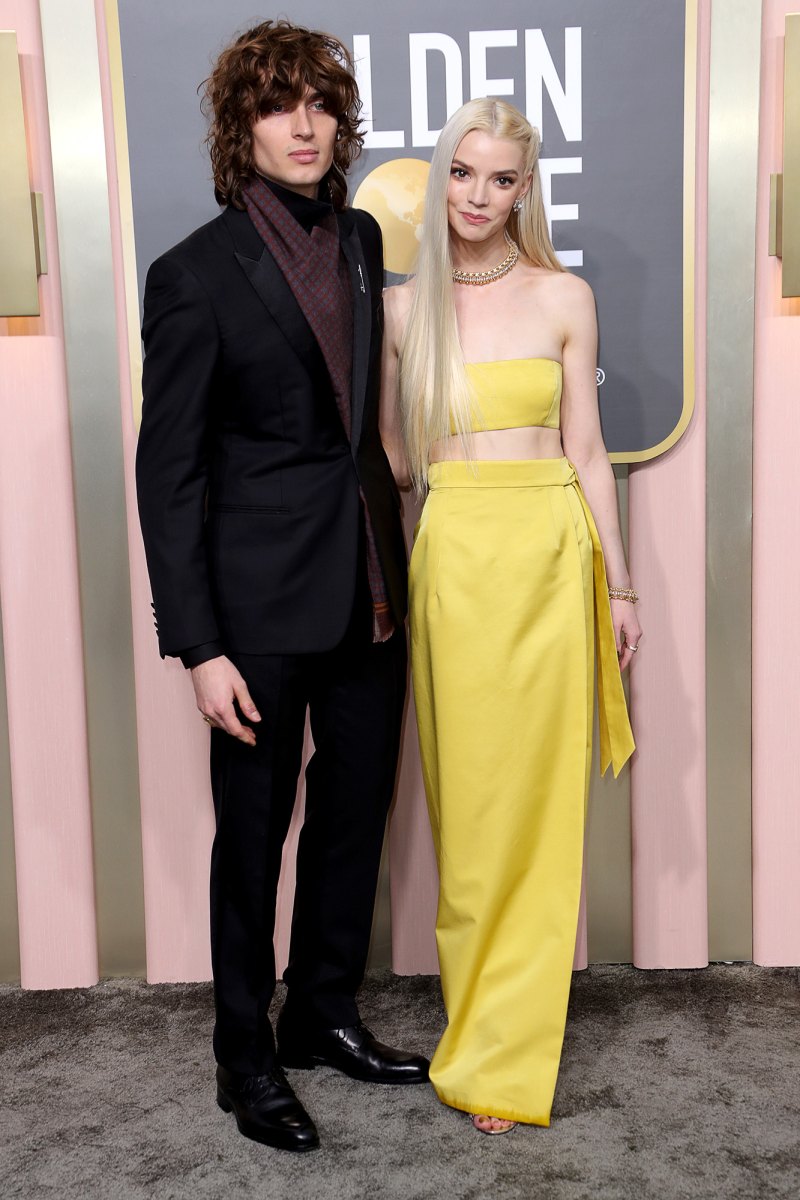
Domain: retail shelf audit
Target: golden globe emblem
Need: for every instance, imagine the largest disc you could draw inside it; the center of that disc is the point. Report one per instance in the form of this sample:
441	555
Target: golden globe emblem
395	195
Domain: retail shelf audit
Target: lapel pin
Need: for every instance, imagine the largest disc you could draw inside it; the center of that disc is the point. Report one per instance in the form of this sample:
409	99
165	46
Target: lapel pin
361	277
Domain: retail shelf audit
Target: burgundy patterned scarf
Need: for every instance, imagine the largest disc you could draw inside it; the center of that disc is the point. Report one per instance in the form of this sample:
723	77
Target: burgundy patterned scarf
317	273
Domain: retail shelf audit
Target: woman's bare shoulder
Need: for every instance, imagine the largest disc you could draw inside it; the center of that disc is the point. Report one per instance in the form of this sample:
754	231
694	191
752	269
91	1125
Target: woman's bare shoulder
396	307
569	300
570	291
397	299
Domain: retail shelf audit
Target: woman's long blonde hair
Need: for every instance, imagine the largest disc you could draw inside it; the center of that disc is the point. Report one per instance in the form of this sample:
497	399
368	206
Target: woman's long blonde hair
433	381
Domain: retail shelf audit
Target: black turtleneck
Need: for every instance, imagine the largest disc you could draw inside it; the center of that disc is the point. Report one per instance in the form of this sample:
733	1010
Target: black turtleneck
308	213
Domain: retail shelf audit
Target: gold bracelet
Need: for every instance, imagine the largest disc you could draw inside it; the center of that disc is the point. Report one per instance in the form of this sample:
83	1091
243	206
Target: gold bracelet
623	594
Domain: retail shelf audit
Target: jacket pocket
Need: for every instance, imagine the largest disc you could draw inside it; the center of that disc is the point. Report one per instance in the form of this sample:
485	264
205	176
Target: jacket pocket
250	508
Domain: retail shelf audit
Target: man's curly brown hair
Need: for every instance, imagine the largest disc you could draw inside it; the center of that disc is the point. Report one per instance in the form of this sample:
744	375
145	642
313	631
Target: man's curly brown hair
275	63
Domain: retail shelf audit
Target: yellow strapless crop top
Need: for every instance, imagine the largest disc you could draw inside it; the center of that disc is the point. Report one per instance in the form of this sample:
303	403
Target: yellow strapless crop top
516	393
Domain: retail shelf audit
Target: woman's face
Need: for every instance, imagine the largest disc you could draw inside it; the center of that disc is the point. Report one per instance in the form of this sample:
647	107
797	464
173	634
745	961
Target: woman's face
485	179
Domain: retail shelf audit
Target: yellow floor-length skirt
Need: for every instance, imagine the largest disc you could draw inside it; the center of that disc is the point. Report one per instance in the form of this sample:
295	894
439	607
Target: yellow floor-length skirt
508	589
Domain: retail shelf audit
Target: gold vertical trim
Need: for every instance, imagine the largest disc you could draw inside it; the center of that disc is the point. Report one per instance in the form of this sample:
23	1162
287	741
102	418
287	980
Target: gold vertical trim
9	920
732	188
80	177
689	211
19	291
609	881
790	200
125	204
776	215
39	232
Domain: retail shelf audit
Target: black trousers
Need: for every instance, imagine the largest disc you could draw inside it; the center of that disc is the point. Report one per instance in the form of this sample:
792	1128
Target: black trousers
355	696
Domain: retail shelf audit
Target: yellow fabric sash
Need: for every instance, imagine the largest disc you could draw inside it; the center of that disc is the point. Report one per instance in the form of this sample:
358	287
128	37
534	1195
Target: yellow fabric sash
616	736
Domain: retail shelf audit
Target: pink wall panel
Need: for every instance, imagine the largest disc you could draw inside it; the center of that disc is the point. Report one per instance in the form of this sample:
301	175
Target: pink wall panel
776	568
44	670
667	552
40	603
668	782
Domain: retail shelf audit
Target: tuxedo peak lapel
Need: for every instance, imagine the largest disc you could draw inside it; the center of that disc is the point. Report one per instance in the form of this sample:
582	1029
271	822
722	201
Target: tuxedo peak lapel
362	319
271	287
268	282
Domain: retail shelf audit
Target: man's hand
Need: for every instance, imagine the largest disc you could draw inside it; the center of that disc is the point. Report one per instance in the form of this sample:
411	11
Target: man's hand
217	684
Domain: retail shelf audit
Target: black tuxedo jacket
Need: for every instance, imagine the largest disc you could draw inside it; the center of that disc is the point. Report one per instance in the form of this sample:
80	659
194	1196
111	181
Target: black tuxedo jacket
248	488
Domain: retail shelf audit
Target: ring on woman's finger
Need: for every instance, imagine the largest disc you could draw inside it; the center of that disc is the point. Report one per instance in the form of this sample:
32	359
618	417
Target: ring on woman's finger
208	720
633	648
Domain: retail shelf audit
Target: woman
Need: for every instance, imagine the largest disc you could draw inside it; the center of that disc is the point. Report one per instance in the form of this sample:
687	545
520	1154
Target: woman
490	407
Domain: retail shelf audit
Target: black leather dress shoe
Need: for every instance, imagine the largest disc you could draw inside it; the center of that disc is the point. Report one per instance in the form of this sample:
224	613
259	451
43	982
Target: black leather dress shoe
353	1050
266	1109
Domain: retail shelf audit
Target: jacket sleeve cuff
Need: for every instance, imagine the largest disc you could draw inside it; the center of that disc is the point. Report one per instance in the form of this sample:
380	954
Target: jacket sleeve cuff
196	655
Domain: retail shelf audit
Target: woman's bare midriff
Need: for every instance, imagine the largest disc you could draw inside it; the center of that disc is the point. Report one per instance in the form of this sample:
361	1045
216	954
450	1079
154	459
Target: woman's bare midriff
501	445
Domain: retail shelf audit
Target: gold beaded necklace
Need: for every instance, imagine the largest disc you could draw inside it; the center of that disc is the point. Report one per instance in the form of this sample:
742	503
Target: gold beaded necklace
481	278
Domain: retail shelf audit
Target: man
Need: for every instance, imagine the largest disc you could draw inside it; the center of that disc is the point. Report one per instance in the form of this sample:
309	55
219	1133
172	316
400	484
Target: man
272	529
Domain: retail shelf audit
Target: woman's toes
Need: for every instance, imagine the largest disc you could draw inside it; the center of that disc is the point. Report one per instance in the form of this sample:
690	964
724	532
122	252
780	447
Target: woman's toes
487	1124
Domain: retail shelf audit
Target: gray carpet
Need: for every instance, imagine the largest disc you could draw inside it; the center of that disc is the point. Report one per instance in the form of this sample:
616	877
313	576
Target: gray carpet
673	1084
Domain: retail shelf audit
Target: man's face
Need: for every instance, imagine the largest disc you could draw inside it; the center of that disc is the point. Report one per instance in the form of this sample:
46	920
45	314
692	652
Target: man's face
293	143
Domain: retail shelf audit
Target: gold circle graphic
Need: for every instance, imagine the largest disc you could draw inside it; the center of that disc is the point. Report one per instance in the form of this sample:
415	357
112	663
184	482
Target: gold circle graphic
395	195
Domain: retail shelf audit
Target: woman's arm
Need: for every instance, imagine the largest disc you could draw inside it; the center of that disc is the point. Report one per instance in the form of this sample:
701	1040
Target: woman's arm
582	439
394	311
